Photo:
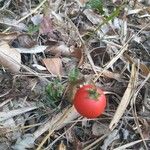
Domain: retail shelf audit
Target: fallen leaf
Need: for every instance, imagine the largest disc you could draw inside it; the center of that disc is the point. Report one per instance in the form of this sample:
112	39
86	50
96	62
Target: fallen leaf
144	69
8	36
59	49
13	23
9	57
99	129
25	41
46	25
78	53
53	65
62	146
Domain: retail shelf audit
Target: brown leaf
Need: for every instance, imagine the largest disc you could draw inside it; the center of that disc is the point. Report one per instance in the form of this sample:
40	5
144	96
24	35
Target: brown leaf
25	41
59	49
9	57
46	28
78	53
46	25
62	146
8	36
144	69
54	65
99	129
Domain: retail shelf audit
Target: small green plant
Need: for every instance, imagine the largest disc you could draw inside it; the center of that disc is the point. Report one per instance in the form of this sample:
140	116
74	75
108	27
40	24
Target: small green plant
33	29
53	91
73	75
96	5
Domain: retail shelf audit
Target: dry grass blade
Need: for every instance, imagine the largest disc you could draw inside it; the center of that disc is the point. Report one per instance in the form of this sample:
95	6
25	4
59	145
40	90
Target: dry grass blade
125	100
123	147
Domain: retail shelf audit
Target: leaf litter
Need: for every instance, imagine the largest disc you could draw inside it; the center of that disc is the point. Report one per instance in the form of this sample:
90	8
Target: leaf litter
43	42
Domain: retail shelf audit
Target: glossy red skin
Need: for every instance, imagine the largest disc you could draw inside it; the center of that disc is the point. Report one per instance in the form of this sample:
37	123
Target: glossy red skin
86	106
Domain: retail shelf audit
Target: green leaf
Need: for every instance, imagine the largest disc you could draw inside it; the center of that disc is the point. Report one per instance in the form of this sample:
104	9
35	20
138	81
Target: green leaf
33	29
95	4
73	75
54	91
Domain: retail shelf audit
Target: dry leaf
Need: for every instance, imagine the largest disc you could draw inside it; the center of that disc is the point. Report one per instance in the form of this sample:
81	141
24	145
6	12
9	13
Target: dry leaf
59	49
46	28
46	25
8	36
99	129
144	69
9	57
13	23
53	65
62	146
25	41
78	53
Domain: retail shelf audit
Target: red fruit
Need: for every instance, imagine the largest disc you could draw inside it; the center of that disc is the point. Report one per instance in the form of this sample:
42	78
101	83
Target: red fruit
90	101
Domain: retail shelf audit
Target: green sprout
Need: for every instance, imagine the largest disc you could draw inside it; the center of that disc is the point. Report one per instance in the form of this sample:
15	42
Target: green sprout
33	29
73	75
96	5
54	91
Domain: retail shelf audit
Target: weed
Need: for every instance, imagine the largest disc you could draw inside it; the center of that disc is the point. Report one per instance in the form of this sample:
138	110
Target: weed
53	91
33	29
96	5
73	75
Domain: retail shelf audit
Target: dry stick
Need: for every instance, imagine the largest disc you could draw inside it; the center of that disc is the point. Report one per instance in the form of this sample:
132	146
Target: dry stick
29	14
122	50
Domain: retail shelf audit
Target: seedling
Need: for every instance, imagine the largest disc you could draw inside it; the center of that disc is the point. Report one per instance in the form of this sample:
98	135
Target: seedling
54	92
96	5
73	75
